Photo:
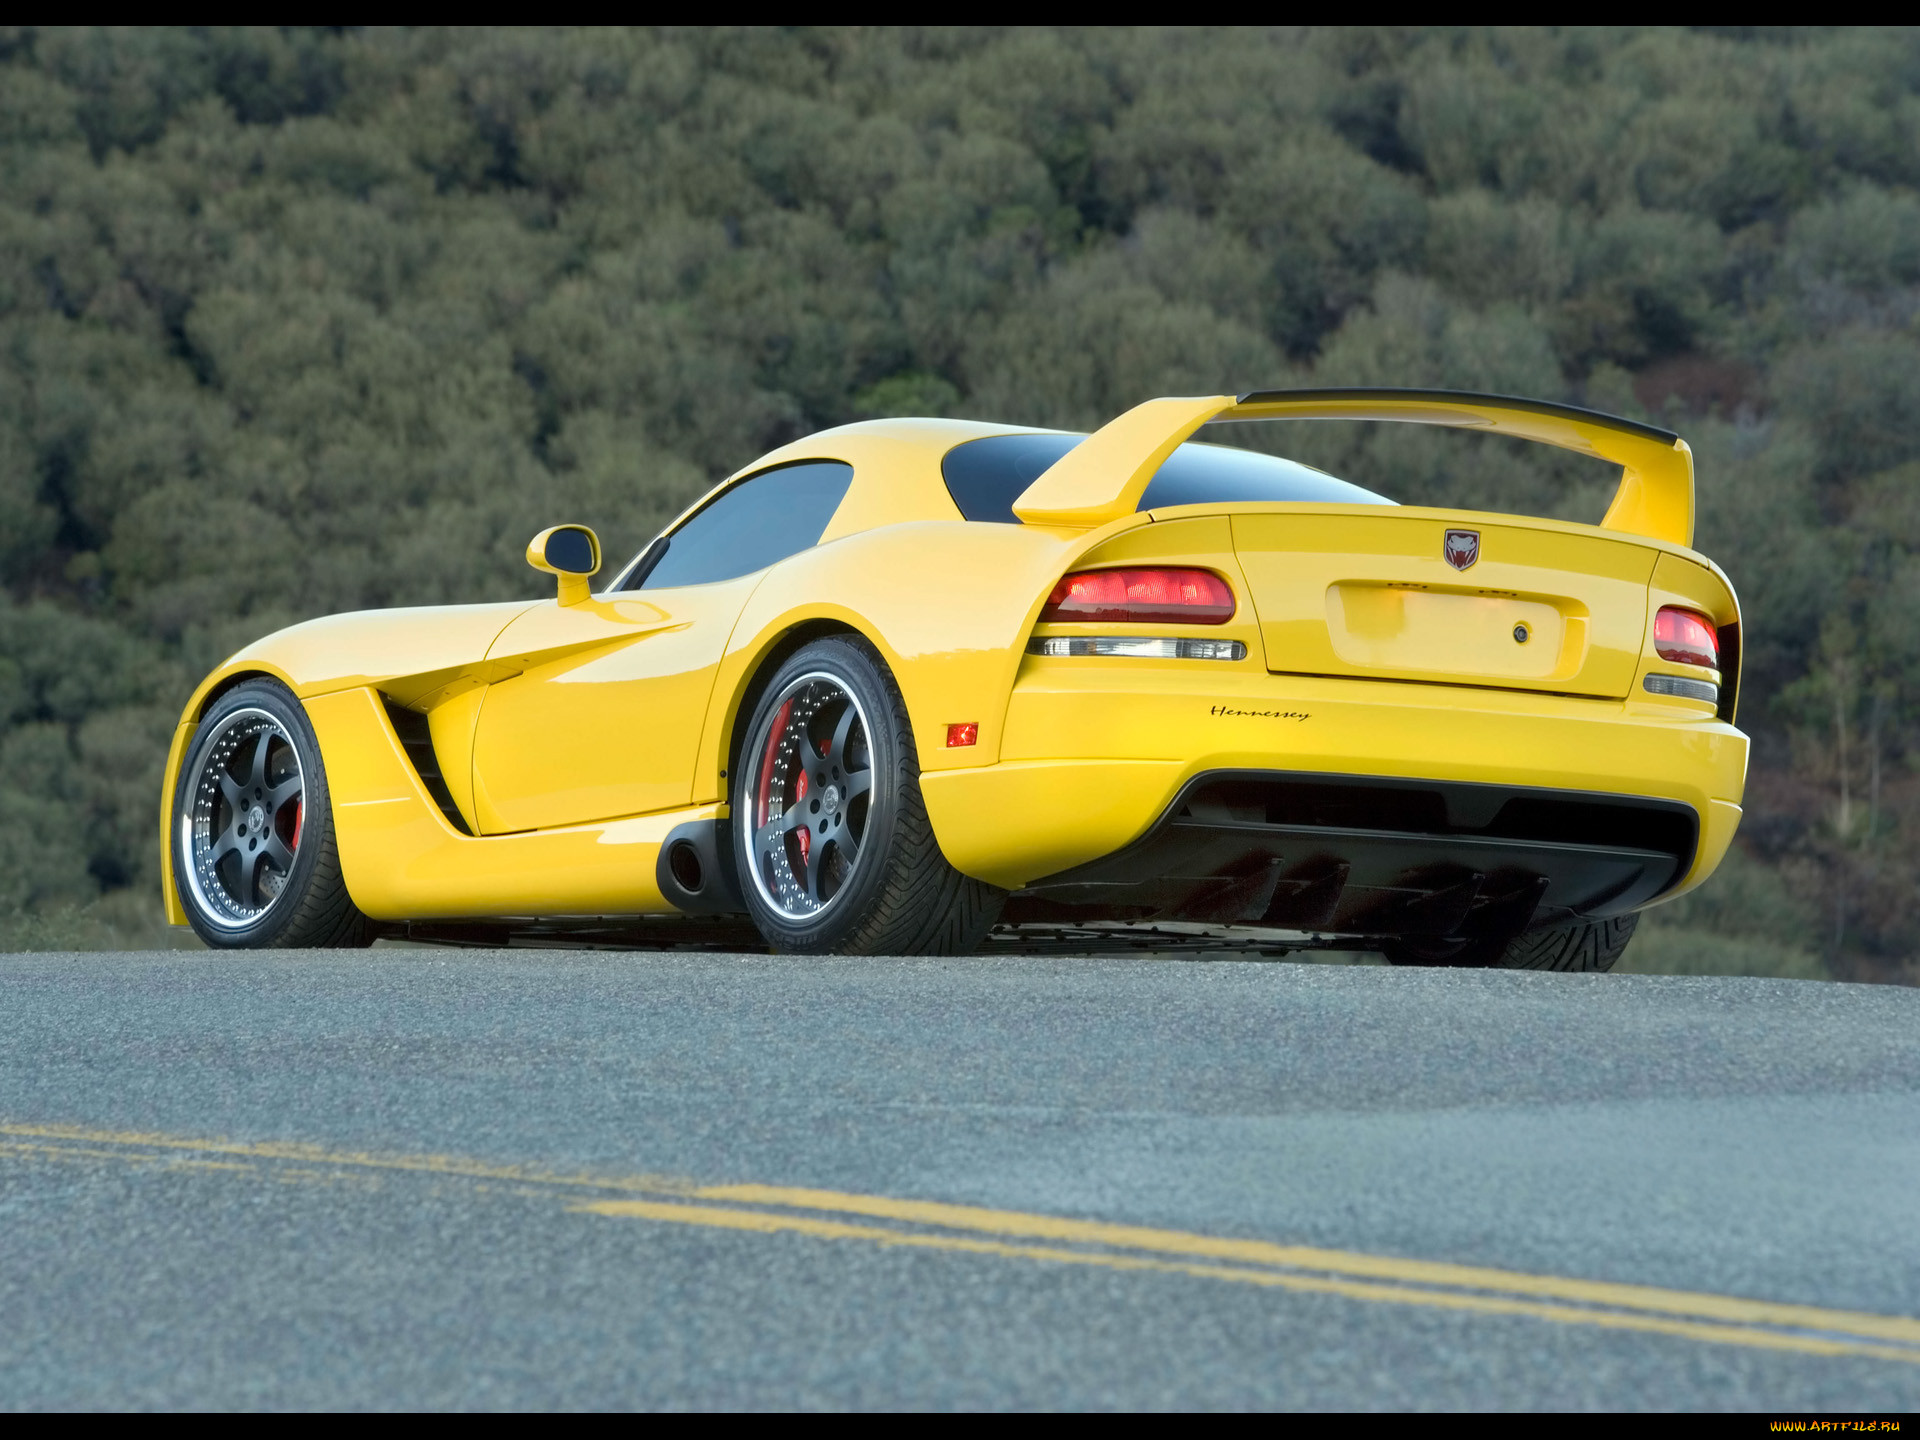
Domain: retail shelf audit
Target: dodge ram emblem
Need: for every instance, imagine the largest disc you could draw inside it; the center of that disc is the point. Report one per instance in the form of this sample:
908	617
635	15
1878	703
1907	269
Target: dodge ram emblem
1462	548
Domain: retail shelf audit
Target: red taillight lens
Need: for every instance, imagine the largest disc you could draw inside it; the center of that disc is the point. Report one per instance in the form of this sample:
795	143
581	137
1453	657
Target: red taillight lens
1171	597
1686	638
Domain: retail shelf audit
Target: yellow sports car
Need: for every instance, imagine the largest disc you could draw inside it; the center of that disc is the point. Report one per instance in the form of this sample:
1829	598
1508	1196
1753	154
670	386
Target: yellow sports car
921	686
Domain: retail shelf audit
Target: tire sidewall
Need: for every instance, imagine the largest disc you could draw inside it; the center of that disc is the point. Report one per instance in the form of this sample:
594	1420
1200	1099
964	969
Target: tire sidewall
853	665
276	700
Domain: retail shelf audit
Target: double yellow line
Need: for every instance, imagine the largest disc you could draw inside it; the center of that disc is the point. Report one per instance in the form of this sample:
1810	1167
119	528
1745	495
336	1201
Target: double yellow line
1719	1319
1058	1240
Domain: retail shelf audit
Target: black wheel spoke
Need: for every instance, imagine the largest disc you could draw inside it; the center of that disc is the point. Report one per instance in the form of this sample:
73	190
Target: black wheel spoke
230	787
858	782
249	878
227	843
284	791
811	755
837	751
257	770
279	854
771	833
816	856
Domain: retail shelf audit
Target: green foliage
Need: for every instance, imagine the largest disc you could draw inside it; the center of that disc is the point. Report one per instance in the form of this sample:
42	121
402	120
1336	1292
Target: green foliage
300	320
1743	899
118	920
1662	949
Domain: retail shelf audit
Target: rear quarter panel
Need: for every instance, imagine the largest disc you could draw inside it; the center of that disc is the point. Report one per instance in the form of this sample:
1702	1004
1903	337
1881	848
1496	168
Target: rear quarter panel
948	604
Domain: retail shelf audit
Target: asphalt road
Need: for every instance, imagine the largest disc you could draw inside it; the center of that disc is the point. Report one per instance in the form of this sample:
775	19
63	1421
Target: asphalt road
558	1179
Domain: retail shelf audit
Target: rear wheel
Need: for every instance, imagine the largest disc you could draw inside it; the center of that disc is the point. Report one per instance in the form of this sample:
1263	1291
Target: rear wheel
831	838
254	861
1584	945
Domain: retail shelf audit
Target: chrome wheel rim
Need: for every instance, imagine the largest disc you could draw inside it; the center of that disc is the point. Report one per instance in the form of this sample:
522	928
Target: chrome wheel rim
811	795
241	829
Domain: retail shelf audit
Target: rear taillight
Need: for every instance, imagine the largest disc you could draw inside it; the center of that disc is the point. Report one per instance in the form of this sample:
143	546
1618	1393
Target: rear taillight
1685	638
1170	597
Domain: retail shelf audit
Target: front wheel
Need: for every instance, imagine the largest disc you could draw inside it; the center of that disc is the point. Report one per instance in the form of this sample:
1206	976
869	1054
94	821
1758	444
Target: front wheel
254	861
831	837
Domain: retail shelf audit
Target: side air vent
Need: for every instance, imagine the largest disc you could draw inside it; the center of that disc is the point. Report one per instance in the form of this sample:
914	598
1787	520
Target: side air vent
417	739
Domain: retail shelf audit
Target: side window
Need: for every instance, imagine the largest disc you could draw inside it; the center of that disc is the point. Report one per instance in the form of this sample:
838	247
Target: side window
763	519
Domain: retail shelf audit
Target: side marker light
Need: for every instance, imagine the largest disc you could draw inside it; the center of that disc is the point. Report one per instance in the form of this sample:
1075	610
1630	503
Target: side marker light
967	734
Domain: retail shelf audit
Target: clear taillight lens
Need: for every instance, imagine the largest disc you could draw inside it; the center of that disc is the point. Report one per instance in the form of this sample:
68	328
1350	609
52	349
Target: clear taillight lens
1685	638
1170	597
1138	647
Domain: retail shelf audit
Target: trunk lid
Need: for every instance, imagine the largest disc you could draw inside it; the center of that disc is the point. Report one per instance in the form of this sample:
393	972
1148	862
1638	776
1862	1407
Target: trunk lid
1540	606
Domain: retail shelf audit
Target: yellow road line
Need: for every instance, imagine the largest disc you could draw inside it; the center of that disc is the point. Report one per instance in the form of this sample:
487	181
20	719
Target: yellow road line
317	1154
1339	1262
178	1164
761	1221
68	1151
1720	1319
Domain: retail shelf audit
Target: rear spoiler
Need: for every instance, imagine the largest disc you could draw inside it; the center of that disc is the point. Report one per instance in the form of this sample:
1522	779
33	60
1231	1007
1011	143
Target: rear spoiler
1103	477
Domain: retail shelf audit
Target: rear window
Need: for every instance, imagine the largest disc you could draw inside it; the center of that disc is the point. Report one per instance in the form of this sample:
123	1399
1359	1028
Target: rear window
986	476
1207	474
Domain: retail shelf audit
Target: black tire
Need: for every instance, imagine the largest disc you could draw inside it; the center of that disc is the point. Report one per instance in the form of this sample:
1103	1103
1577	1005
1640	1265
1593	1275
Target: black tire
836	855
259	870
1585	945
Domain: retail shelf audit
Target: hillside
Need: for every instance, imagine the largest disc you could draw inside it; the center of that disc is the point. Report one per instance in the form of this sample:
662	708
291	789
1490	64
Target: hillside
297	321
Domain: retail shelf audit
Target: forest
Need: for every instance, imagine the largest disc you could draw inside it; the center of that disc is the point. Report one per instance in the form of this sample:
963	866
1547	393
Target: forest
303	320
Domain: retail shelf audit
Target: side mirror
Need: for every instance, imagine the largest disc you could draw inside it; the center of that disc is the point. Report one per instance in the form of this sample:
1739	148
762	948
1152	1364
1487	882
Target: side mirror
570	551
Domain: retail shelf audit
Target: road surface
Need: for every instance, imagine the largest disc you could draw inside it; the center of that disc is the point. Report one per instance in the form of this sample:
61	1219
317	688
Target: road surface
450	1178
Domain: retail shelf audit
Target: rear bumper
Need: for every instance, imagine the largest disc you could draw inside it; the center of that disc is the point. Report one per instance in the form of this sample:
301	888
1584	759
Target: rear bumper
1096	753
1339	855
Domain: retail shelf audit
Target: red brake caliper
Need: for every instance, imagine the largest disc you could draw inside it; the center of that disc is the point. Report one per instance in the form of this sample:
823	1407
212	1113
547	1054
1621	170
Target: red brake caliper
299	817
764	799
806	831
